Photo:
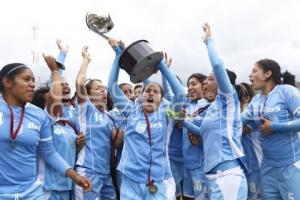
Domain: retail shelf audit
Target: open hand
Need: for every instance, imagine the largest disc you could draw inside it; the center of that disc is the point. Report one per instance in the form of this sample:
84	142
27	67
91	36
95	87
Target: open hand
83	182
167	59
80	141
194	140
51	62
85	54
207	32
265	126
61	47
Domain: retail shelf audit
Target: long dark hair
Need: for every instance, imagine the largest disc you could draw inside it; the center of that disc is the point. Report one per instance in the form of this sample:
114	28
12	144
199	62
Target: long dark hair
278	78
10	71
160	87
39	97
244	90
200	77
89	83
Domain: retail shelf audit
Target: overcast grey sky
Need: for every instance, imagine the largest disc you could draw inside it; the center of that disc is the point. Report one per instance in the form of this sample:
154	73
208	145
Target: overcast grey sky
244	31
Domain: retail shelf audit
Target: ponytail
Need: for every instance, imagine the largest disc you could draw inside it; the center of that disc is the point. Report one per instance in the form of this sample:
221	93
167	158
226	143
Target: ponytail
288	78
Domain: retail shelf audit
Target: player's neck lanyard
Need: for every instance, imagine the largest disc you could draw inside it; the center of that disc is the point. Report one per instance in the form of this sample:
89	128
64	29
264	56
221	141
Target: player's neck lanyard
64	122
114	141
200	110
150	183
261	112
13	134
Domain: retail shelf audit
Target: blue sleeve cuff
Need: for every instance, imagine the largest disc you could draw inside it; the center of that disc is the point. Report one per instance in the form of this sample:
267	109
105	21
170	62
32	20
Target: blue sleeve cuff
61	57
279	126
118	51
208	40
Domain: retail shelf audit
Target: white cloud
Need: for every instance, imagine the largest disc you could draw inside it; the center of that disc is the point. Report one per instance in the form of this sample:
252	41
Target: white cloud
244	32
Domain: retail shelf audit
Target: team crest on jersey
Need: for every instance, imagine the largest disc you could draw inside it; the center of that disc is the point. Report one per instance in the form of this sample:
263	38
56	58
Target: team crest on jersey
59	131
140	127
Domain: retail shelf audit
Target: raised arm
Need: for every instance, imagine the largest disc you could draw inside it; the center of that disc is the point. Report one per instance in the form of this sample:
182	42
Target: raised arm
54	101
119	98
63	50
217	64
166	87
81	77
176	86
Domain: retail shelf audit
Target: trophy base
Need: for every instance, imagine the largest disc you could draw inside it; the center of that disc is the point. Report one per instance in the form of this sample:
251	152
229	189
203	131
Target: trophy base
145	67
60	65
139	61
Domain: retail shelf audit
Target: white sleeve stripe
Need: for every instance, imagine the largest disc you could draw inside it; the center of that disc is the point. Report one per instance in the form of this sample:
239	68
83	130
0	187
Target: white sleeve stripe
45	139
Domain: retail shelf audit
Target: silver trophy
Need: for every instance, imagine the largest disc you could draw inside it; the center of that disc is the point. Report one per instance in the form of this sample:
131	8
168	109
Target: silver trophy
99	24
138	59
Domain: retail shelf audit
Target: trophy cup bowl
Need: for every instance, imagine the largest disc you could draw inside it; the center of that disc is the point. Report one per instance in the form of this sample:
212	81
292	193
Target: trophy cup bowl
99	24
139	60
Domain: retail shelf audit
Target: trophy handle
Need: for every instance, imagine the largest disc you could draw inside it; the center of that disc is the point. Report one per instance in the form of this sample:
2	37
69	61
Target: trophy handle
91	28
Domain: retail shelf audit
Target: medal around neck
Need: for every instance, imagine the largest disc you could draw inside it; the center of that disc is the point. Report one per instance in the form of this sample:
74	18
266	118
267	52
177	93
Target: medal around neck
13	144
139	60
152	188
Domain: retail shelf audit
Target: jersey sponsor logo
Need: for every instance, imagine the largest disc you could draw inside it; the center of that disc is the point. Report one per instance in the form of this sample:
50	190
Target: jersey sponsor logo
156	125
33	126
272	109
198	118
141	126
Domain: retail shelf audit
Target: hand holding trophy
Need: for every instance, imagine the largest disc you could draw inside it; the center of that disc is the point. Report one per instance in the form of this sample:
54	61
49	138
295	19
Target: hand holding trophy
139	60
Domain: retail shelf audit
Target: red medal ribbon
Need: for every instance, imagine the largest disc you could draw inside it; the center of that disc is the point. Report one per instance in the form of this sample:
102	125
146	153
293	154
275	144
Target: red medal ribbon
150	183
13	134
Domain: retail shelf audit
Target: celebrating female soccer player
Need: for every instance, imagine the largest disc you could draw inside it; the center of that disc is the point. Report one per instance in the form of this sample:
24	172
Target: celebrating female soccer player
221	130
144	162
276	112
251	145
64	136
25	133
194	181
94	159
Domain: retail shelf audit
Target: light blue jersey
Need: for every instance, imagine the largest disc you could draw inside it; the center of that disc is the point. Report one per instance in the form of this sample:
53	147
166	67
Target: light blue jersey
136	151
253	152
120	122
221	129
64	142
96	126
280	148
193	154
70	112
18	165
252	149
175	146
